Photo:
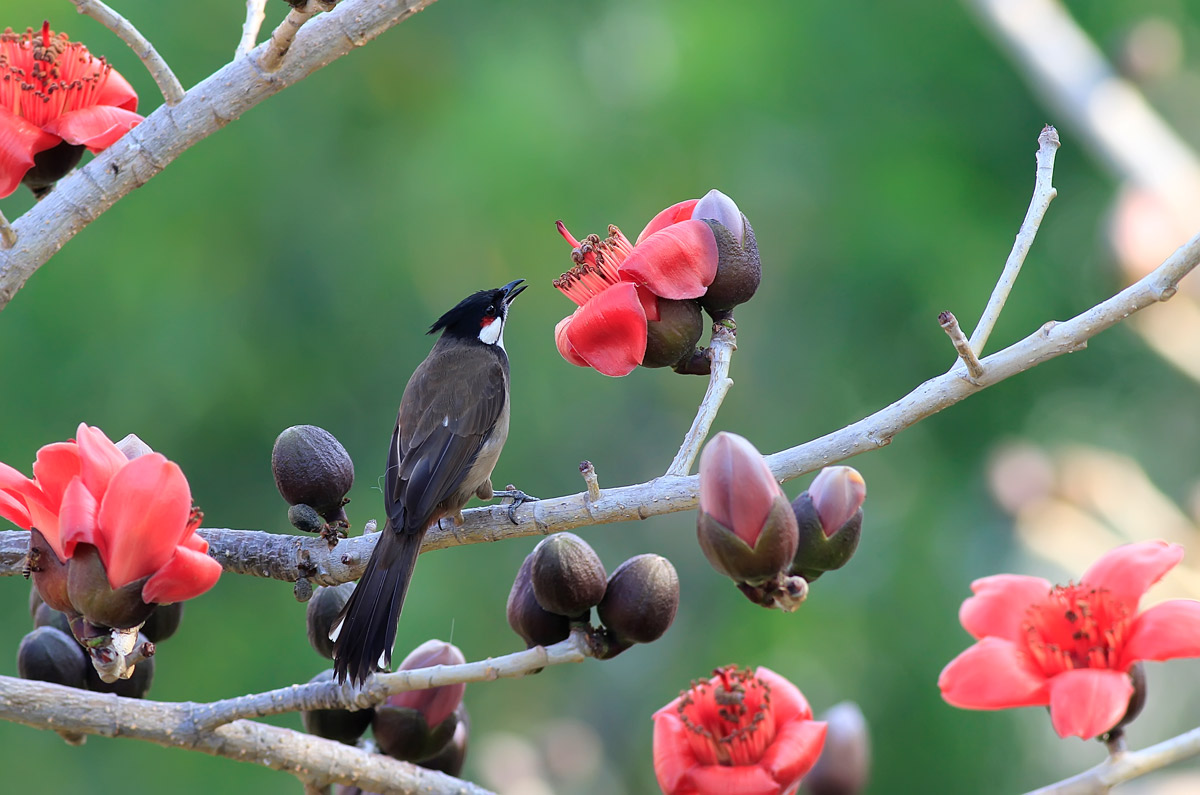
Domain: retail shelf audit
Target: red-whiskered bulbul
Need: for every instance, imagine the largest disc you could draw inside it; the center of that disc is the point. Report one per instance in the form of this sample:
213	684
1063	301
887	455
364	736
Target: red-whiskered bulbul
452	423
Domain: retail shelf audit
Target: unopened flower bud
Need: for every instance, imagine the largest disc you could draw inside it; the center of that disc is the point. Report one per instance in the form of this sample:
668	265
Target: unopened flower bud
418	724
96	600
536	625
739	270
49	655
342	725
136	686
673	337
746	527
133	447
322	610
829	516
451	758
312	468
163	622
641	600
435	703
567	575
845	763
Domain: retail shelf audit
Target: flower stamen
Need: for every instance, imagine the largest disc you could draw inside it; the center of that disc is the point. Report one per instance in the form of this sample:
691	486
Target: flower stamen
1077	626
597	263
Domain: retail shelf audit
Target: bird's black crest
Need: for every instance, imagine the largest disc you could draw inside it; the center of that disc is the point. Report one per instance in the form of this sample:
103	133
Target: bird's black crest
463	319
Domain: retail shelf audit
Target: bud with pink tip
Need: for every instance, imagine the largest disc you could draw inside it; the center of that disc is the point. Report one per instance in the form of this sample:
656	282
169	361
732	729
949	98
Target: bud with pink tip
829	516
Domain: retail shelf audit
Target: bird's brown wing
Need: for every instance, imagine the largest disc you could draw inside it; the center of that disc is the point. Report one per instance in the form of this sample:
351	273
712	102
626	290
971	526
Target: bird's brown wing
450	406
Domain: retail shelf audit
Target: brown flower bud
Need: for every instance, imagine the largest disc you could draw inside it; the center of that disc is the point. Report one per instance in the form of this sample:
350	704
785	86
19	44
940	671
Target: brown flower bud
673	337
567	575
49	655
536	625
312	468
343	725
641	600
739	270
845	762
322	610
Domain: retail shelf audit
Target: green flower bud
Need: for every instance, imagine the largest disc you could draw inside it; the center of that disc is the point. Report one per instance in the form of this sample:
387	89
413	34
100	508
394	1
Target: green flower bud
673	337
567	575
641	600
96	600
829	517
49	574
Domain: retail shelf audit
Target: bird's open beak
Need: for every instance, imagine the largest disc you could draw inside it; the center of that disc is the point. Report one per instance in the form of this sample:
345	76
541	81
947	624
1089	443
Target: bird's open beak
511	290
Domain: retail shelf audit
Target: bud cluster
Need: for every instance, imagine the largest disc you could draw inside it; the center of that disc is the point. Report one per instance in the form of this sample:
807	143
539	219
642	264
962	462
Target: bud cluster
427	727
55	650
313	473
772	548
560	582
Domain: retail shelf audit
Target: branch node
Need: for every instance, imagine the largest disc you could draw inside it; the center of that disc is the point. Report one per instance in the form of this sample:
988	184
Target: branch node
166	80
283	36
8	235
949	322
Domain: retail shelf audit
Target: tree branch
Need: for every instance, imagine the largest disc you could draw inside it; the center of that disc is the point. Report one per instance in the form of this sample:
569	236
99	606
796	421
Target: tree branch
168	84
289	557
966	353
311	759
255	15
283	36
8	238
1126	766
81	197
1043	193
721	348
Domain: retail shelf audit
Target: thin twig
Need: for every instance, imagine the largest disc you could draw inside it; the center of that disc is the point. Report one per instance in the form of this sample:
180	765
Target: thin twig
949	323
330	695
1126	766
168	84
8	235
721	348
310	758
169	131
588	470
1043	193
283	36
255	15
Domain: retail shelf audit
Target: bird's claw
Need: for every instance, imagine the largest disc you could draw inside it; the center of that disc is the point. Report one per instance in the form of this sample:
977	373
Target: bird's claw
518	498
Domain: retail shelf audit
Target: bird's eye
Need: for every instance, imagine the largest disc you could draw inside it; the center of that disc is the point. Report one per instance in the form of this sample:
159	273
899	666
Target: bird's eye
491	310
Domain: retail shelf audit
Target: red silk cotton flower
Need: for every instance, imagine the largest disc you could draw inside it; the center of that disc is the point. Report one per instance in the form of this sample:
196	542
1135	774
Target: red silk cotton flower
1070	647
618	286
137	514
738	733
54	92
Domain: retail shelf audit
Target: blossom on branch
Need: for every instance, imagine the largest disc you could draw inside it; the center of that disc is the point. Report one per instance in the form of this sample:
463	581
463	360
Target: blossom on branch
1071	647
108	522
56	98
738	733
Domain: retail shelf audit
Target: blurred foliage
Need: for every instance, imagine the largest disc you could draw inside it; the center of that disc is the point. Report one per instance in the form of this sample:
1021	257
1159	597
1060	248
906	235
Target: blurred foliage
284	272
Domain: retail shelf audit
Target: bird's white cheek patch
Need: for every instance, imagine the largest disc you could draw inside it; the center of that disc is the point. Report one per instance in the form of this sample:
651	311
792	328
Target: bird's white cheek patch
492	333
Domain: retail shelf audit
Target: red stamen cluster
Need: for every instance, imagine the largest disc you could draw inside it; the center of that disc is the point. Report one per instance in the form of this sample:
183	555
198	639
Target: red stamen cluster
43	75
596	263
1078	626
731	724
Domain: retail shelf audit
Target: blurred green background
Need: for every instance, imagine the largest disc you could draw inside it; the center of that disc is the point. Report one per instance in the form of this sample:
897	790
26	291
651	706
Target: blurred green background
284	271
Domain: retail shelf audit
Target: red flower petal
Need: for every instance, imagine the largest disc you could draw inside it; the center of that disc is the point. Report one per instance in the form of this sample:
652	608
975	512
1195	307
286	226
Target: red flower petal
678	262
196	542
1128	571
609	331
100	459
19	491
796	748
649	303
56	466
999	604
672	215
14	510
77	520
46	521
143	517
992	674
673	755
787	702
1163	632
19	142
117	92
186	575
97	127
1086	702
565	348
741	780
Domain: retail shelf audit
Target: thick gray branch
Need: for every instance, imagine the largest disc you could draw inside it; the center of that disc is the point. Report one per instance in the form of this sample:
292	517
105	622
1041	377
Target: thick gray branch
1126	766
309	758
147	149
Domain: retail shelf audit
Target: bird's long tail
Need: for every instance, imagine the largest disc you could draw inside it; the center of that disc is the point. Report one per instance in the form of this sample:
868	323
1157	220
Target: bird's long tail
365	631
